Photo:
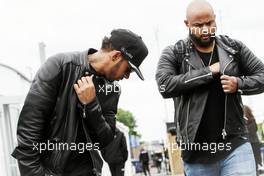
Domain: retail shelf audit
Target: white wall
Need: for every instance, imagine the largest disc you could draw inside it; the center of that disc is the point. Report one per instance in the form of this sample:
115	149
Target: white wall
12	92
12	84
255	102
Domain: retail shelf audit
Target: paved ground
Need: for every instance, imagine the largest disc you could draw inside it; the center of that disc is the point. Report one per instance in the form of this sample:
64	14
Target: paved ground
161	174
164	174
154	172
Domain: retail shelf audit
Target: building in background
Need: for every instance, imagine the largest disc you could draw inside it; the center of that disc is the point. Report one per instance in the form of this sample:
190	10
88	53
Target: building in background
174	153
14	86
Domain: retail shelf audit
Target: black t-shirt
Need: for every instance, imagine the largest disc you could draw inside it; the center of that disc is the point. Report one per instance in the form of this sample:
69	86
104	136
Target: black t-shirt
212	121
209	133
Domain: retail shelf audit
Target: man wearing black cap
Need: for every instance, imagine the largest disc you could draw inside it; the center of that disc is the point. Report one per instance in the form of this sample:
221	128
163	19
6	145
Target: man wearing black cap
69	112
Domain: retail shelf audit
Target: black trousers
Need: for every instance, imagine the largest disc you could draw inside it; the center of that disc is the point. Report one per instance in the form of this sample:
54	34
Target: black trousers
145	167
117	169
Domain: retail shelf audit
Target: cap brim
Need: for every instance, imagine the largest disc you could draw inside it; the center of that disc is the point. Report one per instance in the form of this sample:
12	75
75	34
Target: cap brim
136	69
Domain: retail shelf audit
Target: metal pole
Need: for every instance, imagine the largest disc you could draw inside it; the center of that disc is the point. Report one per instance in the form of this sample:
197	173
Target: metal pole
42	53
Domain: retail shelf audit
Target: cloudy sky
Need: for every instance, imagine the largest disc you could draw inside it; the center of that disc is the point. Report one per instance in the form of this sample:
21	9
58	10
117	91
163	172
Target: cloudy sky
75	25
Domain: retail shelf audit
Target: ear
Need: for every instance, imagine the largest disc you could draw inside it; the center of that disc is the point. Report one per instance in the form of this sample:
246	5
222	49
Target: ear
186	23
115	55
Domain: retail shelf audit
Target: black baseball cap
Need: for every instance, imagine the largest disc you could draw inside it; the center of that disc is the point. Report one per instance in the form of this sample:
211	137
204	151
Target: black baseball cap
131	46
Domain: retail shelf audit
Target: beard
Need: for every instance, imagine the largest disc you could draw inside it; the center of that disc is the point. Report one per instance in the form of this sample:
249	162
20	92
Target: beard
200	42
111	76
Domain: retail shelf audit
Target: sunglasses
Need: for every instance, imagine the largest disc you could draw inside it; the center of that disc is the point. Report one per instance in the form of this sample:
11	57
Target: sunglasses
129	70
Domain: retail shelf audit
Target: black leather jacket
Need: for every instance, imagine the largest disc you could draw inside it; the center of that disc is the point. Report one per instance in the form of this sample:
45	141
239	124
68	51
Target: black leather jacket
182	84
52	112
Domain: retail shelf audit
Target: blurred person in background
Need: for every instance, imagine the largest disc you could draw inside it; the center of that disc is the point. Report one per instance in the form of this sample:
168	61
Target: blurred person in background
252	134
144	159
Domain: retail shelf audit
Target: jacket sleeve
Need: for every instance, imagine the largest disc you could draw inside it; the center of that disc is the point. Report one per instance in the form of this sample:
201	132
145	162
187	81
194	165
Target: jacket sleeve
172	82
38	106
102	122
252	81
124	147
116	152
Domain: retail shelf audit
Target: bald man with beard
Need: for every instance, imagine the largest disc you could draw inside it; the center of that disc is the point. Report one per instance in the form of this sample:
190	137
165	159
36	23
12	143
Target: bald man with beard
206	75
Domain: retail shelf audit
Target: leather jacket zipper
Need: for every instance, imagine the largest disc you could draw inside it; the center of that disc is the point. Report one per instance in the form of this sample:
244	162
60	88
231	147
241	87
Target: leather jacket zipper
94	170
187	118
187	115
198	77
224	133
187	60
84	111
195	78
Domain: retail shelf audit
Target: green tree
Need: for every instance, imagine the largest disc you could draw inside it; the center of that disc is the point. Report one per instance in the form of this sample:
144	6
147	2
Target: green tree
127	118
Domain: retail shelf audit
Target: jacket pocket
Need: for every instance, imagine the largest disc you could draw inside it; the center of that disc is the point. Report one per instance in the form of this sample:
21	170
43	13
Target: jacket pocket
56	158
235	120
52	158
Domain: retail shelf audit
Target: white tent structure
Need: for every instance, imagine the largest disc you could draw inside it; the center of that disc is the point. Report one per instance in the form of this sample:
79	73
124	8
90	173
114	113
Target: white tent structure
12	93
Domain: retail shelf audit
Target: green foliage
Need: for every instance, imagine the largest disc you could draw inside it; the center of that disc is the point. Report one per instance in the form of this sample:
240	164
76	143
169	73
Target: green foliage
127	119
260	132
